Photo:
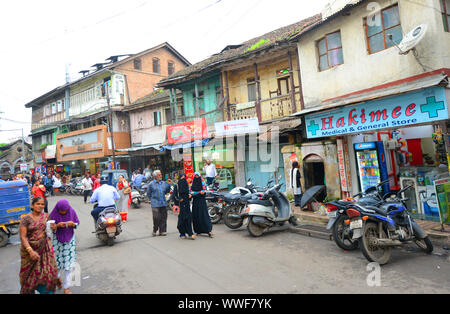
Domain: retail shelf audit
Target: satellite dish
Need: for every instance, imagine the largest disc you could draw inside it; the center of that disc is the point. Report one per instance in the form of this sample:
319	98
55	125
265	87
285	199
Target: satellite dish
412	39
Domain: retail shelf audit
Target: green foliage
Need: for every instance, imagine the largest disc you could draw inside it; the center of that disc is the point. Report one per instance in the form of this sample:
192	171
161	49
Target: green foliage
258	44
3	144
44	145
290	197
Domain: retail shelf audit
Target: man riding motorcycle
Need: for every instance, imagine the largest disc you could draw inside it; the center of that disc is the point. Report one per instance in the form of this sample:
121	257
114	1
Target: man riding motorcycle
105	196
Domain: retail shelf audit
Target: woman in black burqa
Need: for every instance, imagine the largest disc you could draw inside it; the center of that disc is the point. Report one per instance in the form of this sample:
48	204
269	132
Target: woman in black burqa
200	216
183	200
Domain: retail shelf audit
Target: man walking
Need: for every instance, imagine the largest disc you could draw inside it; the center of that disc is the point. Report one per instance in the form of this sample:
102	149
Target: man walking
87	186
156	192
211	172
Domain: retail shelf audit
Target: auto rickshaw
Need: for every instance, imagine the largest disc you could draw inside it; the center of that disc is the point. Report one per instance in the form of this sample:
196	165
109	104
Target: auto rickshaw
14	203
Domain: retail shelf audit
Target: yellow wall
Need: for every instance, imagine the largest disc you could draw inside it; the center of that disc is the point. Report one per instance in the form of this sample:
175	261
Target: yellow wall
237	81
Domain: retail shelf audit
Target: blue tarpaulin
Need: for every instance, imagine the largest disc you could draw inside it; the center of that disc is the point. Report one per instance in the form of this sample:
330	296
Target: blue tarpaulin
201	143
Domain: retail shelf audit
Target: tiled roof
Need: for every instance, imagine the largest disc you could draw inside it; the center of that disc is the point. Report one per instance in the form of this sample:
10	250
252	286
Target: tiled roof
248	48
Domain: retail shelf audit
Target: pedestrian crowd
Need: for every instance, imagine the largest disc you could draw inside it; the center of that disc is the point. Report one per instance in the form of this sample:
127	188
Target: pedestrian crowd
48	242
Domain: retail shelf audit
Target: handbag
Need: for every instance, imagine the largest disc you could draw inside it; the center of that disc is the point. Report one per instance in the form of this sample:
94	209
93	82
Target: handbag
127	190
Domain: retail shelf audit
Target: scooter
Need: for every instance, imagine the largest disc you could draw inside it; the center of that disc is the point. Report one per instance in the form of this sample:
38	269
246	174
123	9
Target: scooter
108	225
263	214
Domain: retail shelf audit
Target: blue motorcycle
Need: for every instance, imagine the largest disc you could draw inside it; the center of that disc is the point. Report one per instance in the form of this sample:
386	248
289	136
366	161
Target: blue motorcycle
380	228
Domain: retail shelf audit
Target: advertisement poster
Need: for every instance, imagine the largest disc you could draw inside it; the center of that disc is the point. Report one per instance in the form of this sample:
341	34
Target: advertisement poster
237	127
341	160
187	132
188	167
442	188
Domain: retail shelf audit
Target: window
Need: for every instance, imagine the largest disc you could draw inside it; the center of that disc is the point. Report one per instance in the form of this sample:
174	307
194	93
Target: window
201	101
384	30
60	105
283	86
156	66
330	51
137	64
157	118
445	9
168	114
170	68
53	108
251	87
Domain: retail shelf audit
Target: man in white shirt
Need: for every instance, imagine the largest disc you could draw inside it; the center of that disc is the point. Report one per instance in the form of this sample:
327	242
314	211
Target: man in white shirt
211	172
87	187
105	196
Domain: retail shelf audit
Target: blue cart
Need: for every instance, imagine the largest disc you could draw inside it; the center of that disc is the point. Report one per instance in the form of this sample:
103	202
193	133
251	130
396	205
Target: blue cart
14	203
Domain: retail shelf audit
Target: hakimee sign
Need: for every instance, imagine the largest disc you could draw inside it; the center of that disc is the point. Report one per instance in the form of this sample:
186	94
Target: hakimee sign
413	108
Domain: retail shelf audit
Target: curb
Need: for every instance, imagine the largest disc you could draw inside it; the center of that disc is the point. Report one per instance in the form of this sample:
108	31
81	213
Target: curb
436	237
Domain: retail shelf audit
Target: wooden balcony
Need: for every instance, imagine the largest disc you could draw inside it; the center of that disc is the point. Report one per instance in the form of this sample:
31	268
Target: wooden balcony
271	108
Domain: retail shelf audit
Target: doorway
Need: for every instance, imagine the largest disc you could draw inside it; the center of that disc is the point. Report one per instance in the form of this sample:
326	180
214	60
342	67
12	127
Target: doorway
314	174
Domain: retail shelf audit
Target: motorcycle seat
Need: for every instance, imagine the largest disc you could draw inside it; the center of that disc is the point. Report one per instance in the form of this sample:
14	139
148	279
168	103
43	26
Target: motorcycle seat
260	202
378	210
231	197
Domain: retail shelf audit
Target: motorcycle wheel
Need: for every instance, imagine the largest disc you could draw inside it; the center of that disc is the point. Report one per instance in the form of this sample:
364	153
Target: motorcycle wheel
4	238
110	241
135	206
213	215
373	252
425	245
255	230
341	236
232	223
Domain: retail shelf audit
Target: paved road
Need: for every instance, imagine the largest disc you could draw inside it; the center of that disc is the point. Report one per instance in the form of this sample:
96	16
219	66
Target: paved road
232	262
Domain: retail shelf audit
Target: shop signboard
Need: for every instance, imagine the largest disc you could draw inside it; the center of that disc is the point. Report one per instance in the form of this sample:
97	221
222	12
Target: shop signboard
23	167
341	160
187	132
237	127
442	188
413	108
50	152
188	167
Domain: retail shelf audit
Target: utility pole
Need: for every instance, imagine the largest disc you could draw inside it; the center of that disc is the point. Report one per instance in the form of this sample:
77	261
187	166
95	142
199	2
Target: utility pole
110	125
23	148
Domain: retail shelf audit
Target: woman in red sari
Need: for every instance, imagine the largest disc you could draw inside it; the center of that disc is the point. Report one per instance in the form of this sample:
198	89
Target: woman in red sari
123	204
38	269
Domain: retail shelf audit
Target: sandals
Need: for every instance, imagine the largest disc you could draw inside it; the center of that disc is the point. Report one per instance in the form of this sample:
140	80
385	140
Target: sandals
67	291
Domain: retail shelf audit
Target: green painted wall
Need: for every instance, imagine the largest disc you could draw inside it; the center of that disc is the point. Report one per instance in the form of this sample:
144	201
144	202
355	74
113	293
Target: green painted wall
210	87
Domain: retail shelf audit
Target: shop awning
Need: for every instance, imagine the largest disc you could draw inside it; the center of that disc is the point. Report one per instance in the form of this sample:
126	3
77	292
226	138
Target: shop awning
199	143
379	92
136	149
282	126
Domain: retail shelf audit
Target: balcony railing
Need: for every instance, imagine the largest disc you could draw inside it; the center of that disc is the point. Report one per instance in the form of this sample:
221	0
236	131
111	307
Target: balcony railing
48	120
272	108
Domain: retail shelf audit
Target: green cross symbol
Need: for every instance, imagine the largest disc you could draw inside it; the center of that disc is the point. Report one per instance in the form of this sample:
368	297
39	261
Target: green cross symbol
432	107
313	127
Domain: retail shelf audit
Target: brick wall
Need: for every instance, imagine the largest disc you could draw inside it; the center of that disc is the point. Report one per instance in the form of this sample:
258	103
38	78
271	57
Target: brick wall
141	82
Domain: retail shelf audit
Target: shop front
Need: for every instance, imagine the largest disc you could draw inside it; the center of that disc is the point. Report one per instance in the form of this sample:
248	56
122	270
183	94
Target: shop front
90	150
399	139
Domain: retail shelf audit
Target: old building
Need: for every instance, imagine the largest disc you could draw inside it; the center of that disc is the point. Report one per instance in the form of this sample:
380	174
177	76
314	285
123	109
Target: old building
375	87
11	156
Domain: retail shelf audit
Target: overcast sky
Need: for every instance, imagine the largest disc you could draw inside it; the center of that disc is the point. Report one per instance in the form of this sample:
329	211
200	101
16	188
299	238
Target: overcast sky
38	38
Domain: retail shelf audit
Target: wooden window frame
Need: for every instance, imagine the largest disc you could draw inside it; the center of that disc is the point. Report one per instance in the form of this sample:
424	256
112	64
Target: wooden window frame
251	81
168	67
159	65
445	14
328	51
137	64
384	30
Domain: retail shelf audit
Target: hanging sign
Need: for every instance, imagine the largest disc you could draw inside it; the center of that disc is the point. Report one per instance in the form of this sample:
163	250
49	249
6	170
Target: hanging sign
398	111
188	167
187	132
237	127
341	161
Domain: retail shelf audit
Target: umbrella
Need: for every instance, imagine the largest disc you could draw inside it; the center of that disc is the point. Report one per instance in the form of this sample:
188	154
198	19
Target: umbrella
310	194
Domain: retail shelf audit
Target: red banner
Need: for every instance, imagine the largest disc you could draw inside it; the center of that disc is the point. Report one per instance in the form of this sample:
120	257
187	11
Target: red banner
187	132
188	167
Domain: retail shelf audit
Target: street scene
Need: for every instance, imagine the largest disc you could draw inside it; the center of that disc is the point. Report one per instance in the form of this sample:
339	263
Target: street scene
231	263
233	148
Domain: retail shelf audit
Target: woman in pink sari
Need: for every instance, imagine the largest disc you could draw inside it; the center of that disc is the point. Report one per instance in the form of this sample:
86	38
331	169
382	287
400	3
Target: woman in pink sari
38	269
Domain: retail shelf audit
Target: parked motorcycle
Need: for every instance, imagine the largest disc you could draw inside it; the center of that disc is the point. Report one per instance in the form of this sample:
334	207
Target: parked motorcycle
337	214
108	225
270	210
136	198
380	228
235	202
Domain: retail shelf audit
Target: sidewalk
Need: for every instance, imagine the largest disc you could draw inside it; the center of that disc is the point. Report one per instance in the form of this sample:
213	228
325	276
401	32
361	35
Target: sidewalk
320	221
